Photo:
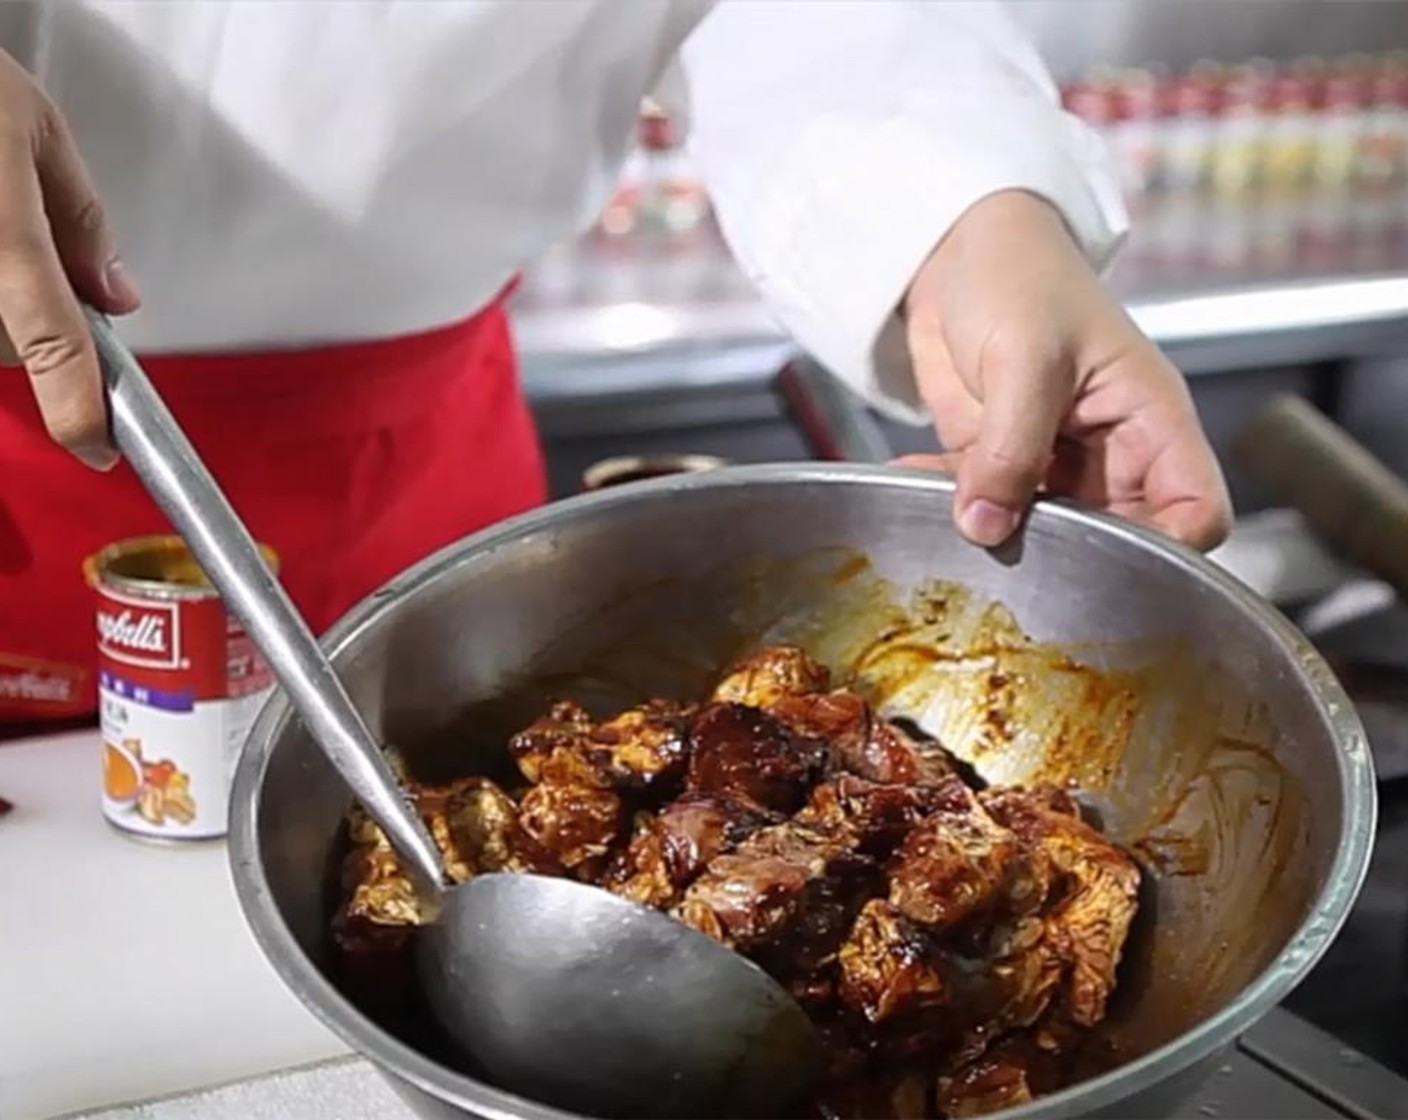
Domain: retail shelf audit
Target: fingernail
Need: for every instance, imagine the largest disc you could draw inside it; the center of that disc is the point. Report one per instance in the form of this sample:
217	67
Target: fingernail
987	523
119	285
100	458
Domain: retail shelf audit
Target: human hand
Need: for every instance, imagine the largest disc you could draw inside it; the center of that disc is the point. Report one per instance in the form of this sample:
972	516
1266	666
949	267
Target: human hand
54	241
1036	378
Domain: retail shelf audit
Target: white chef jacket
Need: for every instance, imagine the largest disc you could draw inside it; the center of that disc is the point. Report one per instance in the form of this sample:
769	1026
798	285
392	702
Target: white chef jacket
285	173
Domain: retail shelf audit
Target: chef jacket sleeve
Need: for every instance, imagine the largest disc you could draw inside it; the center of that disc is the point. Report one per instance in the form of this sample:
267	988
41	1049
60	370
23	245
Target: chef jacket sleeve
840	140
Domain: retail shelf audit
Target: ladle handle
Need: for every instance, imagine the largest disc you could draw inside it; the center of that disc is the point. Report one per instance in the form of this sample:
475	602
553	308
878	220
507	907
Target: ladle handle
151	440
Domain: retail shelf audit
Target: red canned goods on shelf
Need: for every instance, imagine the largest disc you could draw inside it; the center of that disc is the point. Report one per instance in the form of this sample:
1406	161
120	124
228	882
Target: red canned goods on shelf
179	684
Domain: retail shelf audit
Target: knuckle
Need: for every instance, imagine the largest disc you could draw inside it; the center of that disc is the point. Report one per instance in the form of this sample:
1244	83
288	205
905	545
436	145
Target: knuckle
91	218
1020	466
44	355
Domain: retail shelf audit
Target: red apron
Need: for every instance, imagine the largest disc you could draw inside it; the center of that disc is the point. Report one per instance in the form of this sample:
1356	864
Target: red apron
352	461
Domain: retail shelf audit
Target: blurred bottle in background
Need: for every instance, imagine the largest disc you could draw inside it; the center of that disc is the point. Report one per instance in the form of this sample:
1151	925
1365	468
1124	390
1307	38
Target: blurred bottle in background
1189	131
1240	140
1259	166
673	199
1383	145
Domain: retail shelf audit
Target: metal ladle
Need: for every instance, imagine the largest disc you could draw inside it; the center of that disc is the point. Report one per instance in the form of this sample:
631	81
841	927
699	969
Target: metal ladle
561	992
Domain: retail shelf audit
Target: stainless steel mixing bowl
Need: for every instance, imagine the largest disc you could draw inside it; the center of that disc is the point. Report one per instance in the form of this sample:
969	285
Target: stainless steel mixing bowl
1207	733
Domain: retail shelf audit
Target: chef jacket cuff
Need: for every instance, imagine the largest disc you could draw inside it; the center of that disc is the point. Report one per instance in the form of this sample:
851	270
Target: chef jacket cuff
849	218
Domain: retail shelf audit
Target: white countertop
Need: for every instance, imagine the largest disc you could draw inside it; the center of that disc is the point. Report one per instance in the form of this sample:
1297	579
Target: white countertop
127	972
343	1089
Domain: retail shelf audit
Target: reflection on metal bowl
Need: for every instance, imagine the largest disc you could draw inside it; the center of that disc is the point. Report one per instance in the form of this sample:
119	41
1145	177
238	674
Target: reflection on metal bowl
1207	733
637	468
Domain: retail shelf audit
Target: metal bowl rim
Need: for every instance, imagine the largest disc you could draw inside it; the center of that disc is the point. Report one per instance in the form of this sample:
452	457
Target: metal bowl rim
1330	909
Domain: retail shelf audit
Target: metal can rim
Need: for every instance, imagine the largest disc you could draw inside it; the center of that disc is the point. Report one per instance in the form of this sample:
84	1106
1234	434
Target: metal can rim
98	573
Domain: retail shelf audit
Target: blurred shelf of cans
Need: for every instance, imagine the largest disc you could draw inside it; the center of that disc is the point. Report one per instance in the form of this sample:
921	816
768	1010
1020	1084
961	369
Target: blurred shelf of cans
1267	199
1311	123
1257	168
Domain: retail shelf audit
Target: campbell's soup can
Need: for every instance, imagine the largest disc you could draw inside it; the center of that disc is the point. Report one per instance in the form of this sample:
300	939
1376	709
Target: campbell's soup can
179	684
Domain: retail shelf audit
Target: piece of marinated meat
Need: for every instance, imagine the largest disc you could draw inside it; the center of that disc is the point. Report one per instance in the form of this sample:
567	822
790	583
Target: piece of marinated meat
574	812
1009	1074
984	999
890	755
862	743
566	726
744	752
573	823
1089	928
927	1003
952	865
1011	986
379	890
890	966
641	748
1026	971
476	826
670	849
880	815
642	871
1035	875
697	827
1093	898
473	822
771	673
644	747
785	886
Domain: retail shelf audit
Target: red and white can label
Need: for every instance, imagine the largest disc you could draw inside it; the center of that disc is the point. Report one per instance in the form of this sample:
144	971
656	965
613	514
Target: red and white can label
179	685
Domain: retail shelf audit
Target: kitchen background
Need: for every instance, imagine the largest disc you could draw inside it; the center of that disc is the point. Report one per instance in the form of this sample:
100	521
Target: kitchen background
1264	149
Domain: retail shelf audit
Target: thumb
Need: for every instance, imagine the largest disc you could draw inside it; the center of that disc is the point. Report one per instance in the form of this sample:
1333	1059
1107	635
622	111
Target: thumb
82	236
1025	397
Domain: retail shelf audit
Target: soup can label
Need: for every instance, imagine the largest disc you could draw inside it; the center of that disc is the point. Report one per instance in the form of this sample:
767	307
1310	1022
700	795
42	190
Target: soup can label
179	684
